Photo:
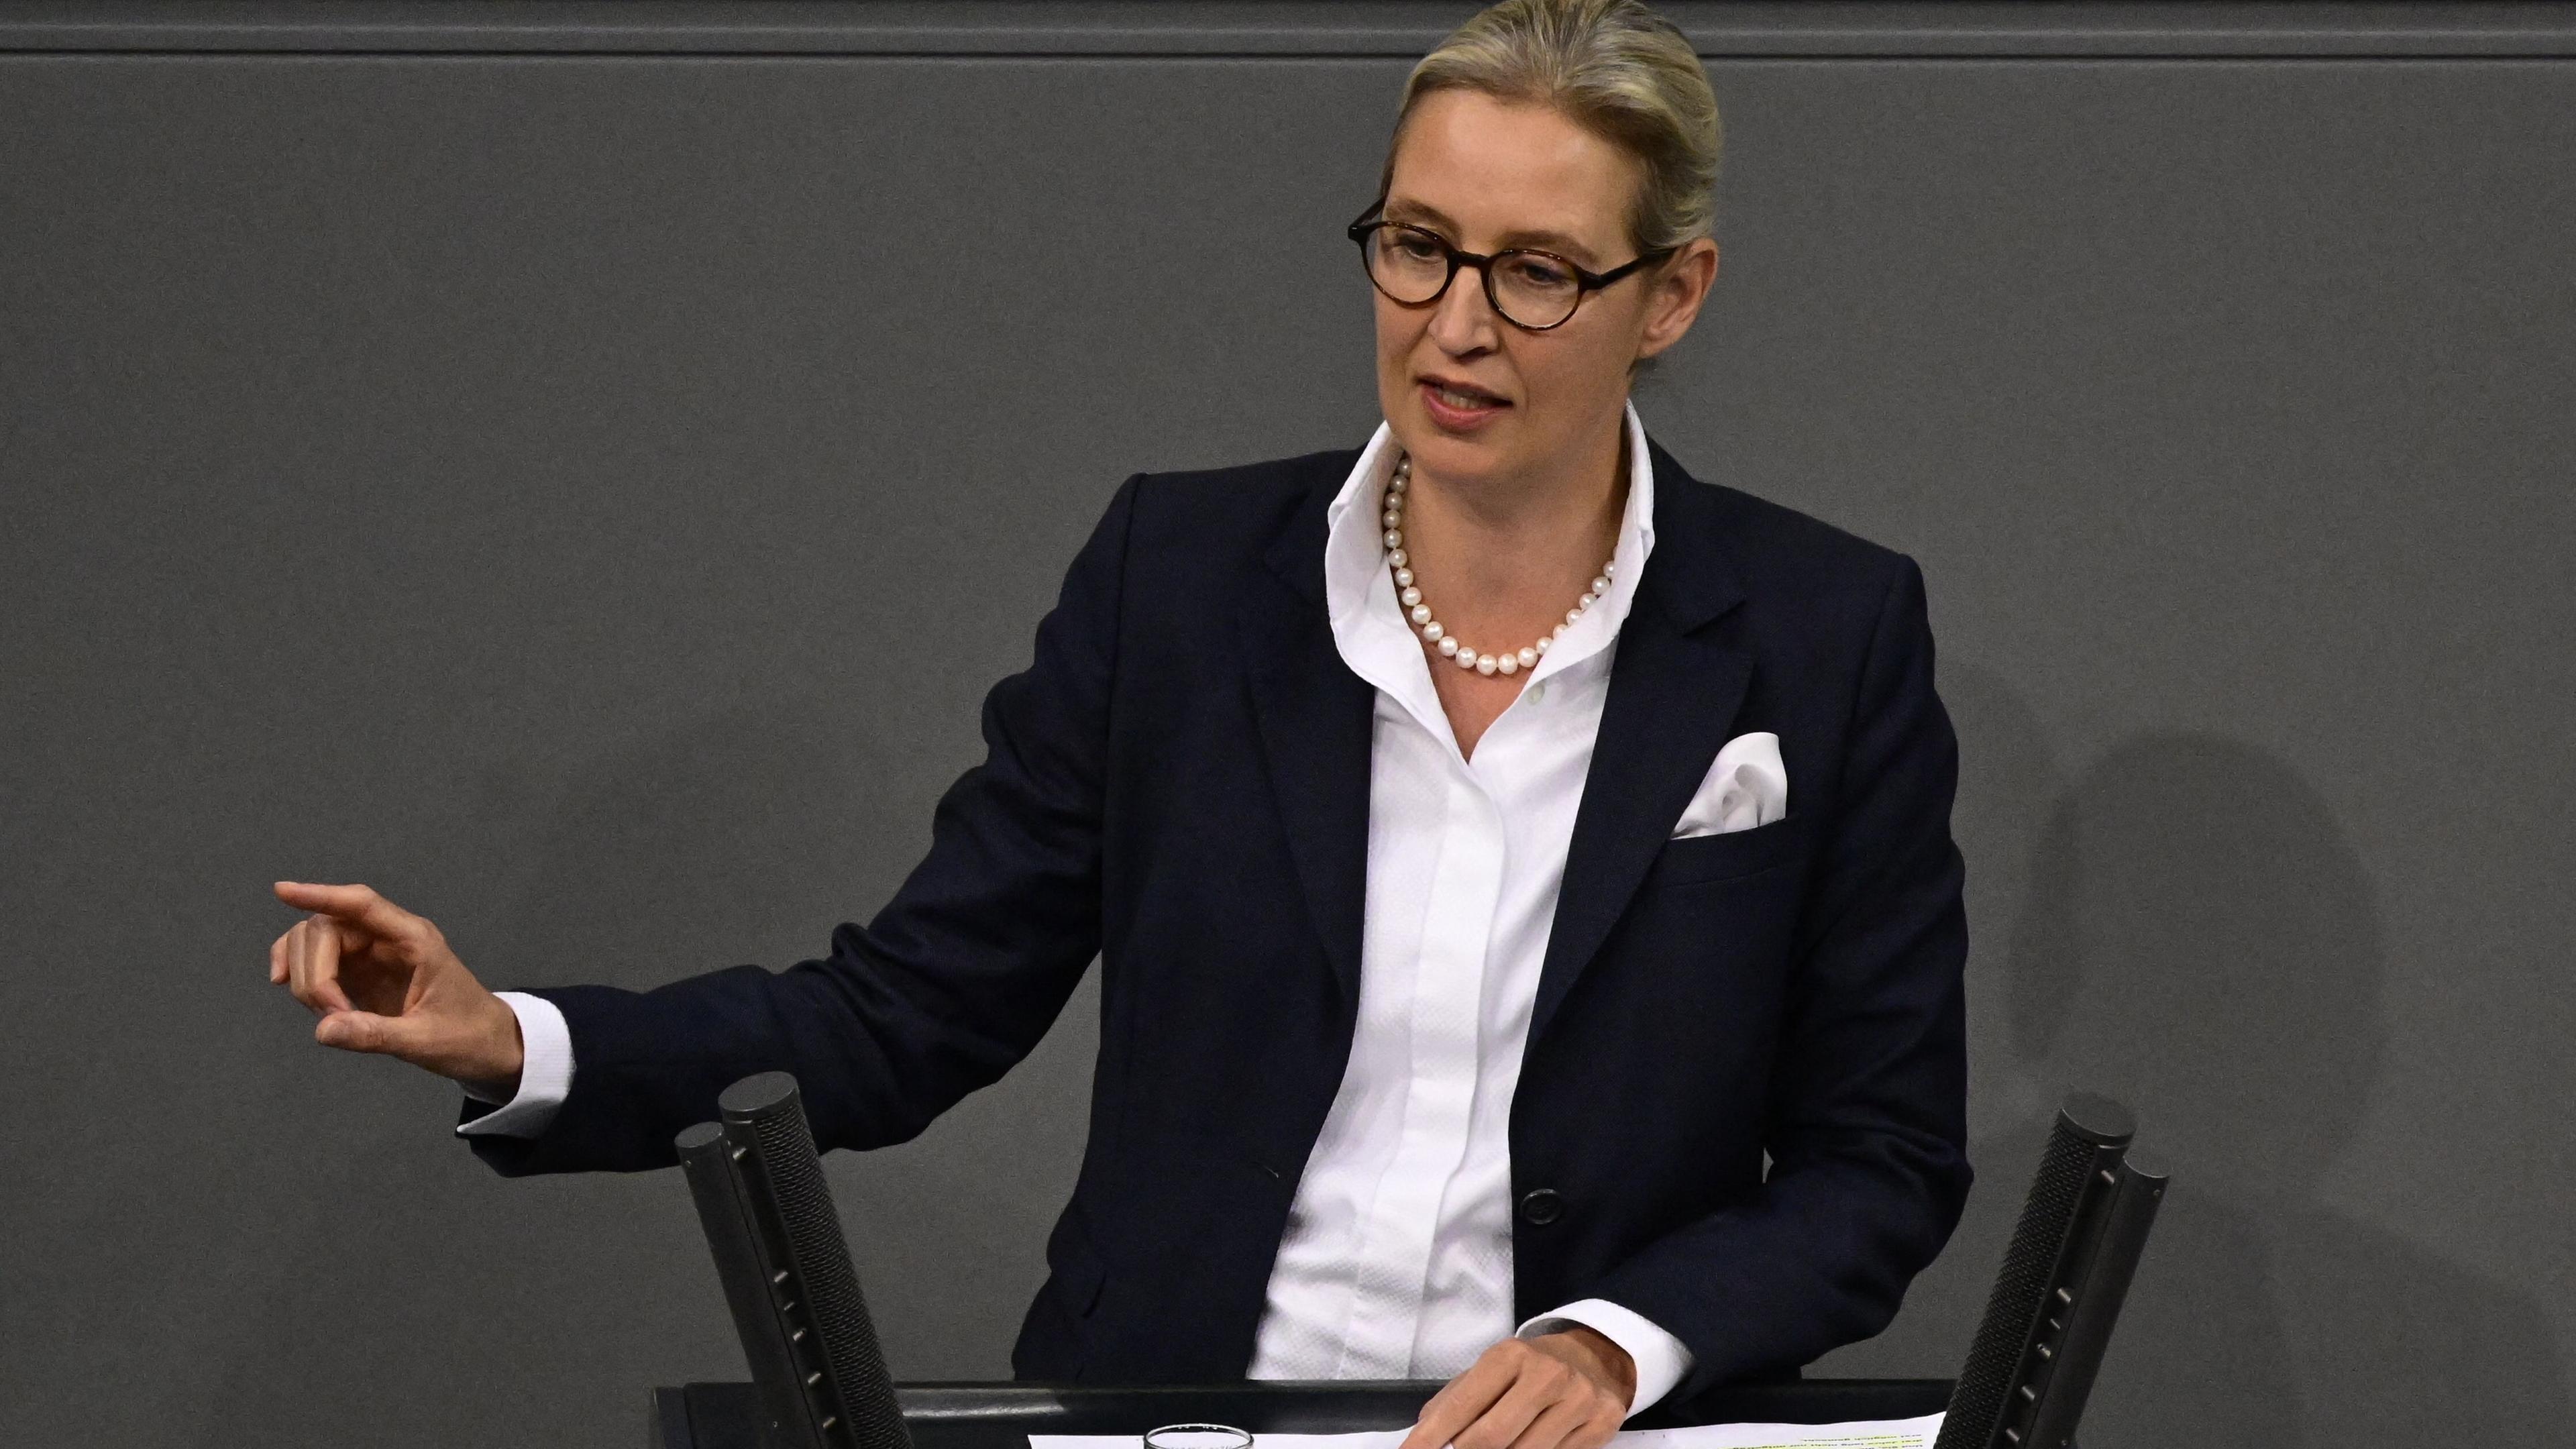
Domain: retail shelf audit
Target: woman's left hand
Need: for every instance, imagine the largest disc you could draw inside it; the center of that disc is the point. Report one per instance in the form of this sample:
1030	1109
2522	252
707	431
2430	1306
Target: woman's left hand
1567	1390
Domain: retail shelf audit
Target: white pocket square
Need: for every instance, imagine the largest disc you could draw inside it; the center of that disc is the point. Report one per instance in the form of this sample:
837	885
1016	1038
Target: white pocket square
1748	786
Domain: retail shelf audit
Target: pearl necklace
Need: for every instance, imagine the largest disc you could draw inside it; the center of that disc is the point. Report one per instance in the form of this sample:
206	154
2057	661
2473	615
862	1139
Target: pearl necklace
1420	613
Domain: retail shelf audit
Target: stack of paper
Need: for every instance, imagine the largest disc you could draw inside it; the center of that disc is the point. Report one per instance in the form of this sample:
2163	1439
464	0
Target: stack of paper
1858	1434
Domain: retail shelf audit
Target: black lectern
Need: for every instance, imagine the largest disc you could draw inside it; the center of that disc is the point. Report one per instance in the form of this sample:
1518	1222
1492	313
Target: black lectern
1002	1416
819	1379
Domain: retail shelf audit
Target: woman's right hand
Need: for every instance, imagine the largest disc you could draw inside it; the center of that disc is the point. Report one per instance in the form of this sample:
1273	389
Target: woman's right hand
383	980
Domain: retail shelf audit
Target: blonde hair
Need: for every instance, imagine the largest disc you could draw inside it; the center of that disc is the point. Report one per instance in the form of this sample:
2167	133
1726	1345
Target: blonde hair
1617	69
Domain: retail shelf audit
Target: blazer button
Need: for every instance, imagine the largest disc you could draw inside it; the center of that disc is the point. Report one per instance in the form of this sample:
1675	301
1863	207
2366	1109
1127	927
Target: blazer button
1541	1206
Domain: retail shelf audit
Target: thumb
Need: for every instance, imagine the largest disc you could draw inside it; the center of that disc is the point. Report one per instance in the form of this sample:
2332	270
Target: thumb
365	1031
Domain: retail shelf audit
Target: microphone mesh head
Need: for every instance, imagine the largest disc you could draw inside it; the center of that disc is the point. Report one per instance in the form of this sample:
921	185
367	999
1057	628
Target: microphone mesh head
1977	1405
823	1266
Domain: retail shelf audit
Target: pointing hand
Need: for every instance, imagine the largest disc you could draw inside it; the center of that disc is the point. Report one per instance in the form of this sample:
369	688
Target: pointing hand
383	980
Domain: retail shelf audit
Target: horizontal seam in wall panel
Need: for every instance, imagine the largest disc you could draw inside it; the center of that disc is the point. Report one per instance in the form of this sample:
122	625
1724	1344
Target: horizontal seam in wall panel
1919	42
1281	57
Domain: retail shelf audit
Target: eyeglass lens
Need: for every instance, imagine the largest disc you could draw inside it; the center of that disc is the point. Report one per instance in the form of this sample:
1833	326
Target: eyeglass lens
1530	288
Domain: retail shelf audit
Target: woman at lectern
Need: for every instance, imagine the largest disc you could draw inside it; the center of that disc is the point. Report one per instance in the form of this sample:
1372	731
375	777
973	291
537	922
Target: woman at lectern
1495	841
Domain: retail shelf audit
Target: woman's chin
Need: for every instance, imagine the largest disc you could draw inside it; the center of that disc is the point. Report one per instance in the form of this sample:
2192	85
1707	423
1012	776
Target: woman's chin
1456	459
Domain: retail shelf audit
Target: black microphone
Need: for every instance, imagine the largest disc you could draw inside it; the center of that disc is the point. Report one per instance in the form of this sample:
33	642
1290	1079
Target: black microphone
815	1363
2063	1279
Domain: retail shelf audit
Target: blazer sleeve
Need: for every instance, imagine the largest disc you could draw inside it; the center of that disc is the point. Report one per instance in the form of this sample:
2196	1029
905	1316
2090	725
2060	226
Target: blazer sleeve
1867	1121
951	984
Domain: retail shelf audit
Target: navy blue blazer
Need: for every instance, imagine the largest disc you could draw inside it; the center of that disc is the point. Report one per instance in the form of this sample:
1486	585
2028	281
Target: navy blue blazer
1179	784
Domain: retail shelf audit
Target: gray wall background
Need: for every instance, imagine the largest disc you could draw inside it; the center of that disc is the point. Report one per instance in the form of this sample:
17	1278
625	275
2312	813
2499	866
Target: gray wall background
578	469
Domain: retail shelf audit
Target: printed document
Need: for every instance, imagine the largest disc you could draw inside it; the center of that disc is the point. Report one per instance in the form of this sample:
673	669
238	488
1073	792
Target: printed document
1858	1434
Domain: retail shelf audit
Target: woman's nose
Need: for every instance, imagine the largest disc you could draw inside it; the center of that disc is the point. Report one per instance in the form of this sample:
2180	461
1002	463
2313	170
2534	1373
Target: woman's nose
1462	320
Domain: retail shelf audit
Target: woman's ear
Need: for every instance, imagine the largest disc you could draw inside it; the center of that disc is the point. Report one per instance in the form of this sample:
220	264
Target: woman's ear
1673	301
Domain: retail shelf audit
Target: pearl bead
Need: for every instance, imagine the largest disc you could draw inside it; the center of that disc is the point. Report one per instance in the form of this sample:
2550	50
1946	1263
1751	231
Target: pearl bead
1399	482
1404	578
1390	519
1466	658
1422	613
1573	614
1433	632
1411	597
1394	539
1396	556
1485	664
1606	568
1587	600
1555	632
1507	664
1448	648
1541	646
1528	658
1601	585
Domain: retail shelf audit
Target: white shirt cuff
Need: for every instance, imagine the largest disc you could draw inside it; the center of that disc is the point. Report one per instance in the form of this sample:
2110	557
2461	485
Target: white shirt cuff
545	1073
1660	1358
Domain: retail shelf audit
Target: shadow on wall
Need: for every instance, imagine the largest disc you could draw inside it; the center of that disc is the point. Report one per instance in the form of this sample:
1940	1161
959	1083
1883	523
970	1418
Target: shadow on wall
2197	939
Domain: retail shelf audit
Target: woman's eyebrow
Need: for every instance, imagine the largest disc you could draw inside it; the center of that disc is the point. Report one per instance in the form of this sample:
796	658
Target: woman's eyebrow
1555	241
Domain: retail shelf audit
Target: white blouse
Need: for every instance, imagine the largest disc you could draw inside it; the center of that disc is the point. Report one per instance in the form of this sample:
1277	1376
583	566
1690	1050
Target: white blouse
1397	1261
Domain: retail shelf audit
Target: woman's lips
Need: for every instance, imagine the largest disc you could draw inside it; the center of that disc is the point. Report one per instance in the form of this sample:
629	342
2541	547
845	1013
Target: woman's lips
1455	418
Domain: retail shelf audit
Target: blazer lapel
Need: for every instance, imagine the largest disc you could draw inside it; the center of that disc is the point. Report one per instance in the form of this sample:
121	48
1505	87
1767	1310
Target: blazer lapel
1673	694
1315	723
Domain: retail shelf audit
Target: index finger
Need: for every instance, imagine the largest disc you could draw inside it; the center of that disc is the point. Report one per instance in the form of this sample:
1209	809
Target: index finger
358	905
